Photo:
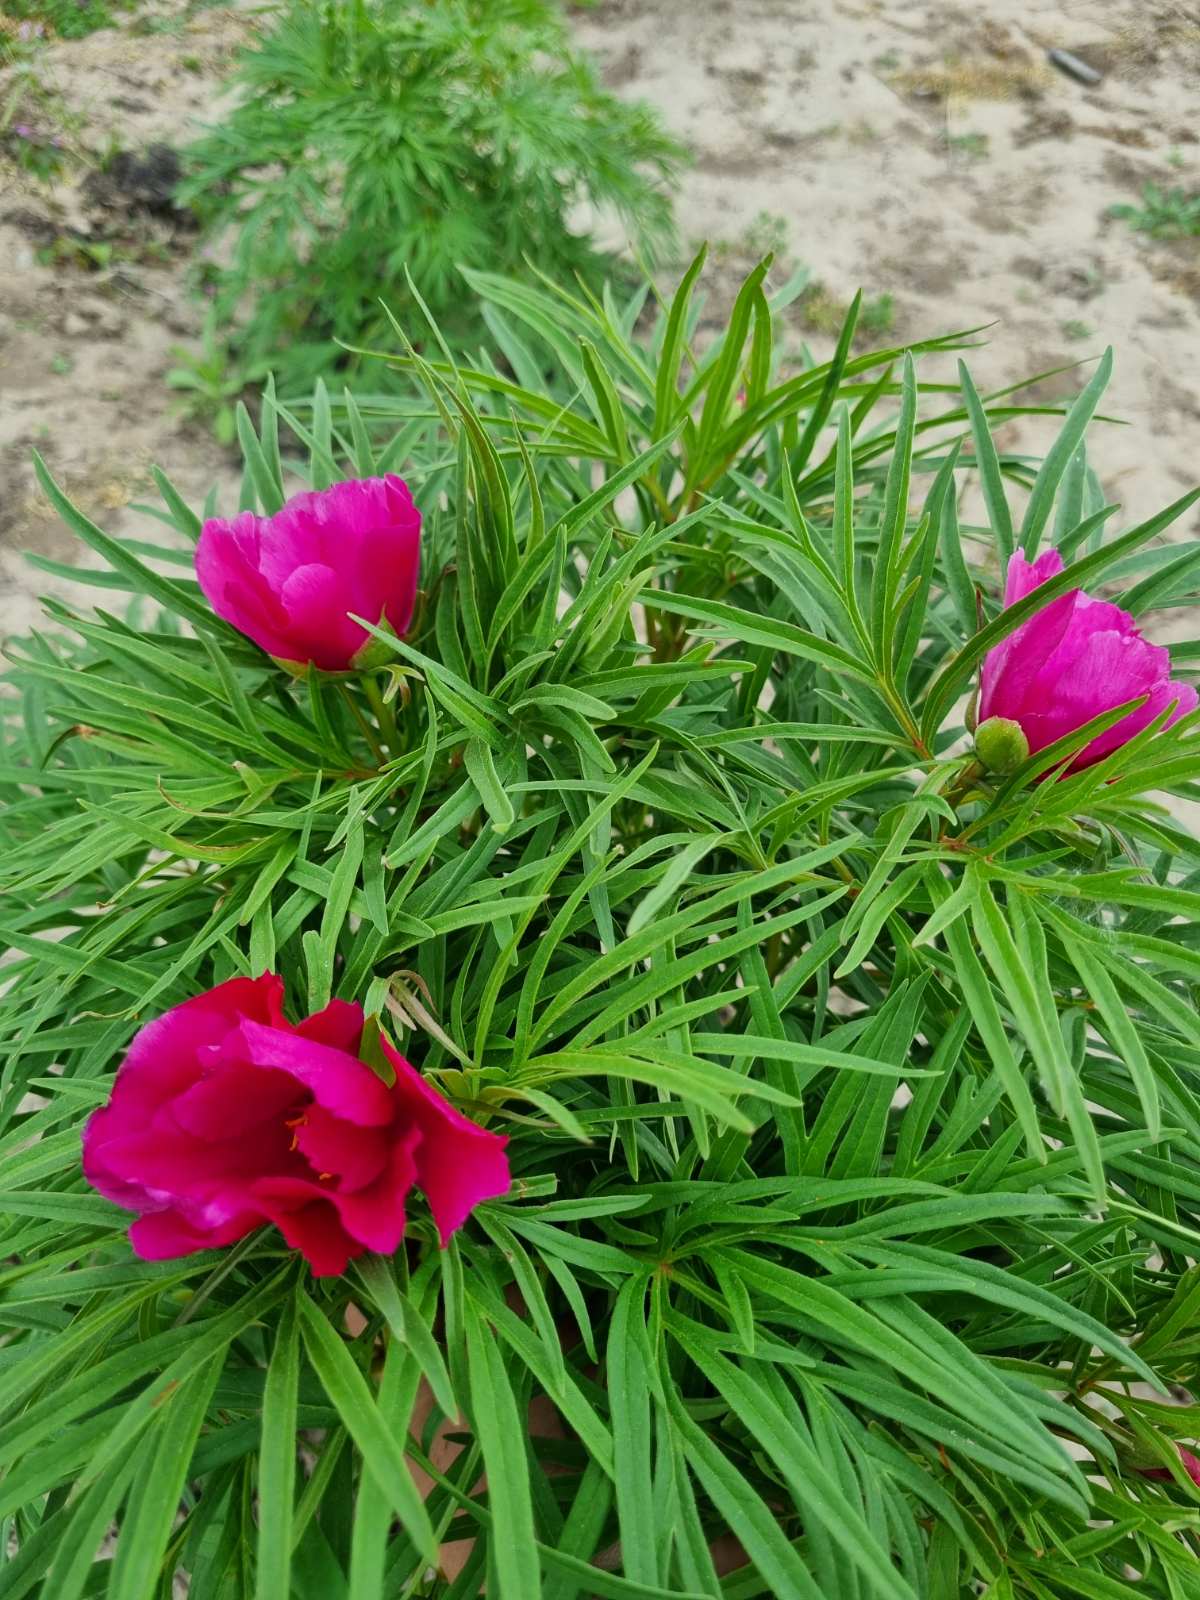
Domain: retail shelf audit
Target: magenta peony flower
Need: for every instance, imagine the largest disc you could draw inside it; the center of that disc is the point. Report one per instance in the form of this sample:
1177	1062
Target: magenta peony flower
291	581
1071	661
223	1117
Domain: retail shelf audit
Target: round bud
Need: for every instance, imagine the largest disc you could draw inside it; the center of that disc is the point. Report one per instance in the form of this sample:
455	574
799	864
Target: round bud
1001	745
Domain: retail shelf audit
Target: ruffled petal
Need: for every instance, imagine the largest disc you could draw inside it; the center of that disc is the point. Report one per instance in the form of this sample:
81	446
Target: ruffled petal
375	1216
233	1099
335	1080
165	1059
1070	662
310	1223
163	1161
1011	668
318	603
340	1026
458	1163
292	581
163	1235
329	1225
228	556
1181	697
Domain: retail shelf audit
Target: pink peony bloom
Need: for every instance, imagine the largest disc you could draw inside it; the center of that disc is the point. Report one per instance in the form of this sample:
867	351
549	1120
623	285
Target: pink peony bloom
1071	661
291	581
223	1117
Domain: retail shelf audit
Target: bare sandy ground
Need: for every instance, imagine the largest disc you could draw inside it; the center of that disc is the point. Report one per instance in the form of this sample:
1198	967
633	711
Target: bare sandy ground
923	149
94	307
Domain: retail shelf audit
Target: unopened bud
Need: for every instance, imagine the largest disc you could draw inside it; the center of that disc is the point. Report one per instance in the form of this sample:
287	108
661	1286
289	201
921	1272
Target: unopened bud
1001	745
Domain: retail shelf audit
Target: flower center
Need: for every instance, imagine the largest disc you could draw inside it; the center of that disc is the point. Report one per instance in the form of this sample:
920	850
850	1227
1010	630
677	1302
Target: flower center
296	1123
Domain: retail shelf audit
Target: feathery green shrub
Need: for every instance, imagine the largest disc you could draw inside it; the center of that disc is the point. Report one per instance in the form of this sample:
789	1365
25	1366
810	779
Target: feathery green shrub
378	140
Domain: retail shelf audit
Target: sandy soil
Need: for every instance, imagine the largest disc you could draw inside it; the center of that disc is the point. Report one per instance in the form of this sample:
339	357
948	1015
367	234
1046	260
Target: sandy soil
94	306
923	149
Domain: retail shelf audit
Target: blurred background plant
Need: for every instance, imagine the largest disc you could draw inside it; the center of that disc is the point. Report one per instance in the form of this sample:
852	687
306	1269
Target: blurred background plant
69	19
374	141
1163	213
36	152
32	113
209	381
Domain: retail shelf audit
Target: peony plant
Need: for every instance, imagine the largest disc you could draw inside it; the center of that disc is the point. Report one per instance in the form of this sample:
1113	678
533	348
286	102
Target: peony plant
725	858
367	150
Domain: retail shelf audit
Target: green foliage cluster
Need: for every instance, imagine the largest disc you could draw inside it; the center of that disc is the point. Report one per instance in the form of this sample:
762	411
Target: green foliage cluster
854	1107
1163	213
68	19
376	139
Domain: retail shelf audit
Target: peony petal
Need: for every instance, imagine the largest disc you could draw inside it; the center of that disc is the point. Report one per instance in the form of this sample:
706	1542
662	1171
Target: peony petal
235	1098
311	1224
228	556
1181	697
291	581
375	1216
387	528
165	1059
1089	674
1010	669
353	1154
1008	682
162	1160
225	1117
190	1031
1024	576
458	1163
340	1026
1070	662
163	1235
305	1210
336	1080
318	603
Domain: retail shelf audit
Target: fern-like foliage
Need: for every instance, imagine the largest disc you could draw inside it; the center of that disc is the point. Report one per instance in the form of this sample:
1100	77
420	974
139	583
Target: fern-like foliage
377	138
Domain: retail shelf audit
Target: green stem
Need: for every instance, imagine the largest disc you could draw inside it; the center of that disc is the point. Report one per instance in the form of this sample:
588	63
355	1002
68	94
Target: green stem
368	731
385	715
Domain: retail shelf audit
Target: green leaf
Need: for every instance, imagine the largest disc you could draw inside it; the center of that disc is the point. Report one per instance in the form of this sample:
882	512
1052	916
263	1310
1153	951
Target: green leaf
629	1404
501	1432
141	578
757	630
988	464
154	1499
481	769
1050	473
277	1461
382	1454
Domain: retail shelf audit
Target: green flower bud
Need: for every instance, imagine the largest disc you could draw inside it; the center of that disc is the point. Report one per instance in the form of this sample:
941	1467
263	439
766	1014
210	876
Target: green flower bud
1001	745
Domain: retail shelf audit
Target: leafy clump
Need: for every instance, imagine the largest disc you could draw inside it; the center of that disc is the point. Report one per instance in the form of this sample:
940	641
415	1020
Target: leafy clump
851	1092
68	19
1163	213
374	139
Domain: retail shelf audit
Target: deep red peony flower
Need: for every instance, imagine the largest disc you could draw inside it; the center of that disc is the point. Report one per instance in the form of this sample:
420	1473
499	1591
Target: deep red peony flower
291	581
223	1117
1071	661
